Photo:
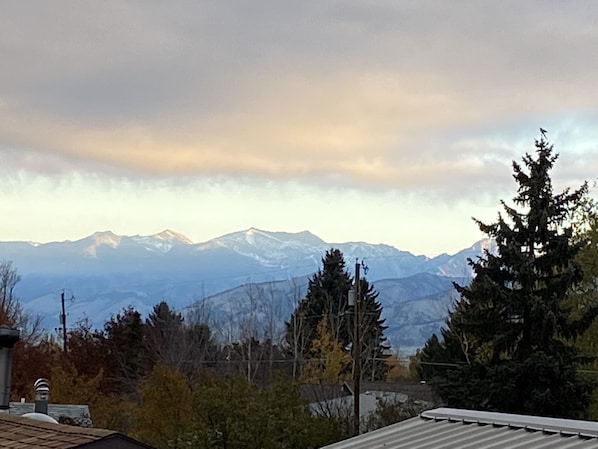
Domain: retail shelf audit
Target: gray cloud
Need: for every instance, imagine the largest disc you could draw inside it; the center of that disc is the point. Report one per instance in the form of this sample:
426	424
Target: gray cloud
425	96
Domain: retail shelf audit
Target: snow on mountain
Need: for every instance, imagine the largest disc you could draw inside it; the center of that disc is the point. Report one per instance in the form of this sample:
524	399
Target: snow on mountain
304	252
107	238
106	271
272	249
163	241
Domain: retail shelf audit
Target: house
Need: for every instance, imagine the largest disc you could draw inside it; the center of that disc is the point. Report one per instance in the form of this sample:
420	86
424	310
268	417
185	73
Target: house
37	428
336	400
368	404
21	432
469	429
73	414
326	391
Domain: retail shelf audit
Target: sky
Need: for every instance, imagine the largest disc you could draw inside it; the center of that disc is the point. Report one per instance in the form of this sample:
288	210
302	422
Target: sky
380	121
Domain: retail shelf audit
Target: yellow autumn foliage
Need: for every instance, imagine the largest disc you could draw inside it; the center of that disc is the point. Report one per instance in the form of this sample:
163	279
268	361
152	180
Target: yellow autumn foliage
330	362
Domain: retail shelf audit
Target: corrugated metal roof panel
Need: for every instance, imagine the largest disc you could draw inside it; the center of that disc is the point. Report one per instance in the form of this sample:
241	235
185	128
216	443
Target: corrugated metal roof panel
469	429
572	426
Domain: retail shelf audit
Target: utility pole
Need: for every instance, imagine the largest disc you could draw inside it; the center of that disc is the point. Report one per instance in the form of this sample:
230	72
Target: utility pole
63	322
356	354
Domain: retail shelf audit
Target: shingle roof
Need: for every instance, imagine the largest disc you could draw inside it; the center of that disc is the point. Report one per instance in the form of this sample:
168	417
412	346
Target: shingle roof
17	432
467	429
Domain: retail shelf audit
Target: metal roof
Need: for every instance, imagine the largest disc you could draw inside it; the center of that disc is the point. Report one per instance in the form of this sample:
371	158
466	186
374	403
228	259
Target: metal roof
469	429
368	404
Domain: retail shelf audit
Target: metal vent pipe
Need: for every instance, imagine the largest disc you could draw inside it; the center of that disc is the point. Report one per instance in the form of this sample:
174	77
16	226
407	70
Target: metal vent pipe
42	394
8	338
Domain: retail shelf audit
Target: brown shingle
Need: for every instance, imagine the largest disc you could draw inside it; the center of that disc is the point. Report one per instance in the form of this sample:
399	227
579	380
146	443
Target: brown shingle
17	432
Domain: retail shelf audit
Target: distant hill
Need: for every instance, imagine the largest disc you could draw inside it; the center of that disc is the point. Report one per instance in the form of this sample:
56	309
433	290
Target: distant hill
106	272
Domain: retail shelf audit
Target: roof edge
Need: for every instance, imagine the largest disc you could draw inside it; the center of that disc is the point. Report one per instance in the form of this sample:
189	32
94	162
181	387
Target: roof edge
63	428
538	423
118	436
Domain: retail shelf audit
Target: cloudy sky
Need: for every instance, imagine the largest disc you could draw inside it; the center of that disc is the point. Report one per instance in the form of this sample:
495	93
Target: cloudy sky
380	121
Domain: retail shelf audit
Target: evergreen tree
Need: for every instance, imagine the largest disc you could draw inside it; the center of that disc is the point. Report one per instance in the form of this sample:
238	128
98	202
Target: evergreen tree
506	346
374	350
125	350
327	295
164	335
179	345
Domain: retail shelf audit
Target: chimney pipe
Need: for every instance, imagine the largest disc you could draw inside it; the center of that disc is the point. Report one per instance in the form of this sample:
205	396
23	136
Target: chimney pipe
42	393
8	338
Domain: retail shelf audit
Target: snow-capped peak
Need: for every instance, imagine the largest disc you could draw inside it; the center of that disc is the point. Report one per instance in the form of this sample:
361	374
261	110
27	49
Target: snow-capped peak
106	238
163	241
100	238
169	235
486	244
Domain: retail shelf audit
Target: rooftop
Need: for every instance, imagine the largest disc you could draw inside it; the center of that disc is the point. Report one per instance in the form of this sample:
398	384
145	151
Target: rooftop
63	413
469	429
18	432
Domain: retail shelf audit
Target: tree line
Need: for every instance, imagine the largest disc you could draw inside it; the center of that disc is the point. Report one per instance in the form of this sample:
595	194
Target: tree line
168	379
521	338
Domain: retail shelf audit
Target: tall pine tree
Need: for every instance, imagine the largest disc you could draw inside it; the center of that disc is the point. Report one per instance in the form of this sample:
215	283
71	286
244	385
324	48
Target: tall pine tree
506	346
327	295
374	350
125	351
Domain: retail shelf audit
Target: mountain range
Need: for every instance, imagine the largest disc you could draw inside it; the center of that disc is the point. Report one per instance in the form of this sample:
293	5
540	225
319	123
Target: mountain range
251	274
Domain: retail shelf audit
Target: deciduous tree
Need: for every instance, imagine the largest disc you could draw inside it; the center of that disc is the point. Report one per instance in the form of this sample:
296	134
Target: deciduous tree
585	296
234	414
164	415
330	362
12	312
30	362
86	352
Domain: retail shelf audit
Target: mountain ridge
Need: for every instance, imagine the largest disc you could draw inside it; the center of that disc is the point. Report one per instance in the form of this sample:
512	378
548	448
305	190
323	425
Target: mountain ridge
107	271
109	237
